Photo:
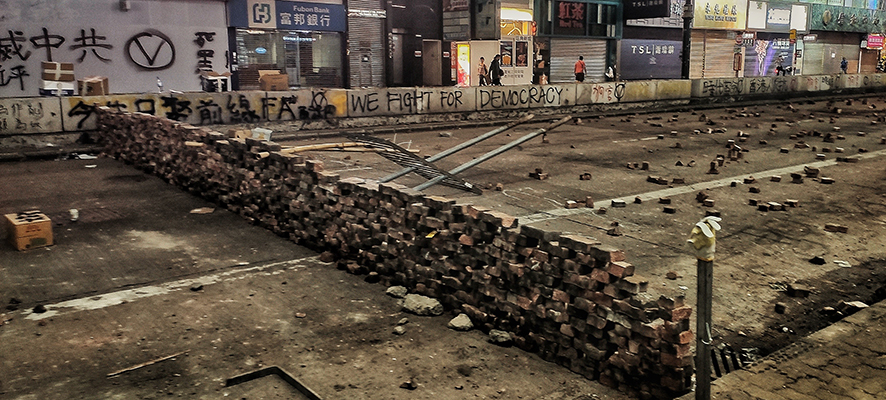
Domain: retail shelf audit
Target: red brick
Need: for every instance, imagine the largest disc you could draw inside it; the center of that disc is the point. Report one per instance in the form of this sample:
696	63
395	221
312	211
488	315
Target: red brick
567	330
561	296
620	269
681	313
600	275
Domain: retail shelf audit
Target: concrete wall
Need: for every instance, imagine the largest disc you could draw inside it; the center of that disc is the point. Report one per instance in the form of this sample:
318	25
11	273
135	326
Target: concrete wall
571	299
363	107
130	47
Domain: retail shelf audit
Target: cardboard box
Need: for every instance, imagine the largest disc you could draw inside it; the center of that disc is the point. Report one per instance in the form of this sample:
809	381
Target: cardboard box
212	81
28	230
56	71
52	88
93	86
255	133
273	80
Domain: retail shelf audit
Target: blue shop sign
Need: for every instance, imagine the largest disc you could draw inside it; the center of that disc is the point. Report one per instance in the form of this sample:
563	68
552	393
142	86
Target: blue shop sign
311	16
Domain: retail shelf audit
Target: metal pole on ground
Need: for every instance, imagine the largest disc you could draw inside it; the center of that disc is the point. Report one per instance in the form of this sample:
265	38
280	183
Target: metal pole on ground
703	329
492	154
703	239
469	143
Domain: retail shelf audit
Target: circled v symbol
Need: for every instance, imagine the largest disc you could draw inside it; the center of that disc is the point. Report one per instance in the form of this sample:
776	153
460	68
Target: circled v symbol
151	50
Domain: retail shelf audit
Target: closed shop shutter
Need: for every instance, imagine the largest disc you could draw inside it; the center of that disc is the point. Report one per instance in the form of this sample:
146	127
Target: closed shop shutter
869	61
825	53
813	57
711	55
366	41
565	52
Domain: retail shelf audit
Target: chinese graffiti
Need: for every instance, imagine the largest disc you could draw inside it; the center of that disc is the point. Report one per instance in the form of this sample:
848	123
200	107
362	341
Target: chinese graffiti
204	56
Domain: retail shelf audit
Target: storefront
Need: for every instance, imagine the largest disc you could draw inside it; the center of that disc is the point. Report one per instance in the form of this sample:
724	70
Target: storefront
515	45
715	52
838	32
770	40
300	39
589	29
652	41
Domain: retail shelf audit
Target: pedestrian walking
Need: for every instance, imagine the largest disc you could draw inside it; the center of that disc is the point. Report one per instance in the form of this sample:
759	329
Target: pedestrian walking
779	66
495	70
483	72
844	64
580	69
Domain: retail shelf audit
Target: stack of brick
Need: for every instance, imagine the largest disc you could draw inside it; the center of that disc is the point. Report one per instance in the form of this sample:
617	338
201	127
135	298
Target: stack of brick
569	298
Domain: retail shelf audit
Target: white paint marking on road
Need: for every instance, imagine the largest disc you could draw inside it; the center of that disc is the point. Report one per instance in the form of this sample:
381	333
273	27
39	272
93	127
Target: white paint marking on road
128	295
562	212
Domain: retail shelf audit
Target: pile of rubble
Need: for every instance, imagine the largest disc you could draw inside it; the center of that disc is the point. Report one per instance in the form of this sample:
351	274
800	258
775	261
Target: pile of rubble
569	298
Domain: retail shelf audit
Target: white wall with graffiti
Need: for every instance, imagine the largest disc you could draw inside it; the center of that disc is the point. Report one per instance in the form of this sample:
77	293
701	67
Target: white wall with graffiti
131	42
26	115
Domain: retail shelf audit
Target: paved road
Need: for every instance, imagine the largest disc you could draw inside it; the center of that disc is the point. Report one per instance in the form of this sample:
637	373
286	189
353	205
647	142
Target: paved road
846	360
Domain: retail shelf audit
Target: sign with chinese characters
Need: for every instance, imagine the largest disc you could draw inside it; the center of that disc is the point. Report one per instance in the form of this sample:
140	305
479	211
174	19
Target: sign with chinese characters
875	41
650	59
846	19
673	20
570	18
635	9
311	16
721	14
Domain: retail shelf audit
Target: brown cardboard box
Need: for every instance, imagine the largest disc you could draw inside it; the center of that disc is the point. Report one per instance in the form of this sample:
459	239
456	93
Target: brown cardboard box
271	81
56	71
93	86
27	230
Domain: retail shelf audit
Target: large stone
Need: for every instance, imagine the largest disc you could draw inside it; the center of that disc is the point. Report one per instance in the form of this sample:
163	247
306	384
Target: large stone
422	305
397	291
500	338
461	323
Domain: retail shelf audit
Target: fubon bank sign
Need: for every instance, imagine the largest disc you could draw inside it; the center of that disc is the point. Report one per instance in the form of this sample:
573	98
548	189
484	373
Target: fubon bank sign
287	15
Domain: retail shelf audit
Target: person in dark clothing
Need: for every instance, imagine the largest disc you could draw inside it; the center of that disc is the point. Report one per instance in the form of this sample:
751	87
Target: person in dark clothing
495	71
844	64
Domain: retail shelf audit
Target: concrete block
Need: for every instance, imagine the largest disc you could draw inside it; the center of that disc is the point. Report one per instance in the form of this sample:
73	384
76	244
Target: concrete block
35	115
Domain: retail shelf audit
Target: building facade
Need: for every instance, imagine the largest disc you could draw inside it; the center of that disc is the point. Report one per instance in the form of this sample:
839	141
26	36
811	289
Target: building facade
136	44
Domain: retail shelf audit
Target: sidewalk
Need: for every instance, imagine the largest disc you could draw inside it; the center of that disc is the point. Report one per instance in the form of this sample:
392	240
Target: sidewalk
846	360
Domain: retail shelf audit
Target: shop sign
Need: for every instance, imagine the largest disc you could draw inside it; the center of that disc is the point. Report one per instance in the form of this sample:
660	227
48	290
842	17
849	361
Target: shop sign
650	59
636	9
380	14
810	38
875	41
673	20
778	18
571	18
311	16
260	14
721	14
455	5
846	19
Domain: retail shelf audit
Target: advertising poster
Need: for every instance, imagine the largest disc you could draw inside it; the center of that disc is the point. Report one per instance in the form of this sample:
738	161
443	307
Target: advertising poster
766	54
464	65
522	54
507	53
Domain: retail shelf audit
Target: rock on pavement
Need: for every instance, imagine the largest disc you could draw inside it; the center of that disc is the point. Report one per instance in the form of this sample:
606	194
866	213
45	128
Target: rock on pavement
421	305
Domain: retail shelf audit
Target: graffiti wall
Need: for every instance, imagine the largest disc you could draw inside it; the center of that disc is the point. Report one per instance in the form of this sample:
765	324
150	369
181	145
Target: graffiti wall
25	115
199	108
138	44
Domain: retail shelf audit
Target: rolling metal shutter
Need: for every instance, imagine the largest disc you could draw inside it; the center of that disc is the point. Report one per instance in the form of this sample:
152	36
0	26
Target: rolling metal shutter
565	52
366	38
711	54
813	59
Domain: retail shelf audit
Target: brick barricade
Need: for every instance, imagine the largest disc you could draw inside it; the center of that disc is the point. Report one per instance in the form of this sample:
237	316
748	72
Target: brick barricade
570	299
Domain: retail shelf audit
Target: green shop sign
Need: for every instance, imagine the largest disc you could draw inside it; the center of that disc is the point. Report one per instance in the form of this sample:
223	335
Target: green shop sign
846	19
